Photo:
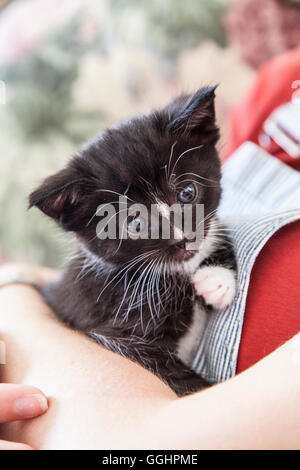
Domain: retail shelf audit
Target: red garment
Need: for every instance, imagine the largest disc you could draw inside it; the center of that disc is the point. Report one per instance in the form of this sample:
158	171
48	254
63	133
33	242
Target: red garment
273	304
272	87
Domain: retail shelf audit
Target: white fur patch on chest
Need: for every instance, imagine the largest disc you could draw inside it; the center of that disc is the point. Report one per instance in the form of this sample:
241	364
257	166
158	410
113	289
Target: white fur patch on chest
189	341
206	248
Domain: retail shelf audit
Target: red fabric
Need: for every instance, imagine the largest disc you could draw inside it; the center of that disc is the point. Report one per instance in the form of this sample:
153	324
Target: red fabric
273	304
271	88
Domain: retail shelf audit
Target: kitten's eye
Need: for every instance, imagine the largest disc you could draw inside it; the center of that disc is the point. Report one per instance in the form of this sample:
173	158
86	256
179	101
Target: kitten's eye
188	194
137	226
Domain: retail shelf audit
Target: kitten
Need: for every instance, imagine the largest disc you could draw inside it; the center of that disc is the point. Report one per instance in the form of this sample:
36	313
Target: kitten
147	299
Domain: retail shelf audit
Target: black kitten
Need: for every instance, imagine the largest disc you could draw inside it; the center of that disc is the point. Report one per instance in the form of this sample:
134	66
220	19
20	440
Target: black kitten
142	297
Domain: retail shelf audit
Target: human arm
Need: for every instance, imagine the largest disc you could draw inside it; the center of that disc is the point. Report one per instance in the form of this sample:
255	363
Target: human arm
101	400
97	399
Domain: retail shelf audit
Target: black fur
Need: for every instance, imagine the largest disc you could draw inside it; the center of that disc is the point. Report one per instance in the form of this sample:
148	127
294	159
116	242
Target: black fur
133	159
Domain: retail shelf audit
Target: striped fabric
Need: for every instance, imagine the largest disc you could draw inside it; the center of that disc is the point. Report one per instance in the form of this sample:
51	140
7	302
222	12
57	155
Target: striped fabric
260	195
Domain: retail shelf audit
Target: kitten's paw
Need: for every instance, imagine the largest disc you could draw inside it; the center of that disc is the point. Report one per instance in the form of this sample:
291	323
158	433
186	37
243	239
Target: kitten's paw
216	284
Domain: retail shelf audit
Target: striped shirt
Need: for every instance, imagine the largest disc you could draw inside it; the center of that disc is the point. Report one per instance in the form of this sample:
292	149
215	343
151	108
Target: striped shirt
260	195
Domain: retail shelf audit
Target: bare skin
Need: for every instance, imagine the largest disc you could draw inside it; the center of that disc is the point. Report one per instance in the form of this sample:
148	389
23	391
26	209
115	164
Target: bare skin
19	403
99	400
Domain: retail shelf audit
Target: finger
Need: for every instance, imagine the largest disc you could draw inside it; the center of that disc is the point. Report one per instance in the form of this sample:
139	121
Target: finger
18	402
47	275
6	445
29	273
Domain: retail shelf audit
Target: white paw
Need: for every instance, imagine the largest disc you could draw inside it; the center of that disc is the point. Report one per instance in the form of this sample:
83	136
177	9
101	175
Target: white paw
216	284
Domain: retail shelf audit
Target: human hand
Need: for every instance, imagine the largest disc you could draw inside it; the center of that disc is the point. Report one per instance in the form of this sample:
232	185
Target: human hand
20	402
30	273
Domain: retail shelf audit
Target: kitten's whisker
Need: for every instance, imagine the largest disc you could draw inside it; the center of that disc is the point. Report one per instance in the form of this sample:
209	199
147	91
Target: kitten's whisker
207	217
151	287
145	273
121	238
224	230
115	192
197	176
126	290
215	225
192	180
114	215
93	216
142	294
170	160
210	215
184	153
126	268
151	190
149	275
149	297
102	207
165	167
219	239
157	283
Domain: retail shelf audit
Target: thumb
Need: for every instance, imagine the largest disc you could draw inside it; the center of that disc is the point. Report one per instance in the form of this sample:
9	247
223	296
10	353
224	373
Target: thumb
18	402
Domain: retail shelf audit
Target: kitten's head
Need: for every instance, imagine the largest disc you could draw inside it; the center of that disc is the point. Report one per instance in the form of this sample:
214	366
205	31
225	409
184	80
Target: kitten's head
164	158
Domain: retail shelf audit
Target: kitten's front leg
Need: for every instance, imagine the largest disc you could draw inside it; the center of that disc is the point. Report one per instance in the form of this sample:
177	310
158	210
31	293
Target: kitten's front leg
216	284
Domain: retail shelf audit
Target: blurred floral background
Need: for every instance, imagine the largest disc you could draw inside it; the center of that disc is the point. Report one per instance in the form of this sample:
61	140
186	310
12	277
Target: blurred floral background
70	68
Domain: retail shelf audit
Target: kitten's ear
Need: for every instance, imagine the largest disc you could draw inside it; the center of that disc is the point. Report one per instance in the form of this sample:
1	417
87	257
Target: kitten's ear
64	198
194	114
